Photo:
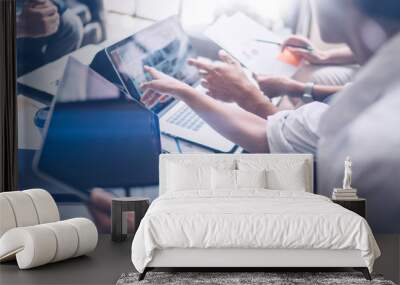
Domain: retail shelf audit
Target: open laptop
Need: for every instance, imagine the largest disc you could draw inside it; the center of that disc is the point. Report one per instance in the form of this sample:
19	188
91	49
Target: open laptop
166	47
96	136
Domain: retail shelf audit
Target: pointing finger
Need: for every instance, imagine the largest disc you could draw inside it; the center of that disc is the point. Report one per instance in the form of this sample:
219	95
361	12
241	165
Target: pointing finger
153	72
205	84
227	58
201	64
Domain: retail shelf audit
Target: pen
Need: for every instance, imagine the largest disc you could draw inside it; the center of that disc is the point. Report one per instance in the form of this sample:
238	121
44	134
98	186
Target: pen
308	48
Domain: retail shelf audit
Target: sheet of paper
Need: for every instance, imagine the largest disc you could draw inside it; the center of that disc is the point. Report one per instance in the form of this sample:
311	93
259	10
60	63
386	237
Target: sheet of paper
47	77
237	35
29	136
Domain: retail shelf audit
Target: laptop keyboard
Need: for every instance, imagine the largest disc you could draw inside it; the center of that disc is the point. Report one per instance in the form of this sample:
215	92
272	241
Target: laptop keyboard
186	118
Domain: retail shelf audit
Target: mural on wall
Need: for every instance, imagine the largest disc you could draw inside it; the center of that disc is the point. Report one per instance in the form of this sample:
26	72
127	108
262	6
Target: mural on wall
102	93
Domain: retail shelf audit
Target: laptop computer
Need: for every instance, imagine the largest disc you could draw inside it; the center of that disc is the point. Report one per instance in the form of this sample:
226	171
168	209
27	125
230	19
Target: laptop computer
166	47
97	136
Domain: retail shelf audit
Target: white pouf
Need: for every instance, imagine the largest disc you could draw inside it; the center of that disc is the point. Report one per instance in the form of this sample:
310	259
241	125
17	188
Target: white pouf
31	233
7	220
45	205
37	245
24	211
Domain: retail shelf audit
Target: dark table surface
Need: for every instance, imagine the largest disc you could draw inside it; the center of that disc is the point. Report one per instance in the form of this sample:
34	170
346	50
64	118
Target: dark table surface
102	266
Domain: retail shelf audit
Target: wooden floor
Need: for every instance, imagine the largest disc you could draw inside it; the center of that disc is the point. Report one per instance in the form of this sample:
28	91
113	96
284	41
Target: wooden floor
106	264
103	266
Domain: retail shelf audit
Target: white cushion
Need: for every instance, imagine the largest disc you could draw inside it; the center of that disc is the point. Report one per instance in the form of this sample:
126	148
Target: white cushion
230	180
45	205
31	246
183	178
26	208
251	179
40	244
23	208
223	179
67	238
87	235
7	218
277	181
282	174
175	168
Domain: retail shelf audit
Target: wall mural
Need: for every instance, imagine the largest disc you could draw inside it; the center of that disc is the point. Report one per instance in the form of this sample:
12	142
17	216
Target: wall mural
101	94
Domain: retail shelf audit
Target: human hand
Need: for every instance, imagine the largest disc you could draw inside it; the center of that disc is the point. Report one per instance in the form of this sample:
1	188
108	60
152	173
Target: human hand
39	18
161	88
226	80
278	86
100	207
308	53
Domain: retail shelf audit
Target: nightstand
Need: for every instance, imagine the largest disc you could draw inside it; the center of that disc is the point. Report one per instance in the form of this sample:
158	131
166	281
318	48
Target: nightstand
358	206
120	207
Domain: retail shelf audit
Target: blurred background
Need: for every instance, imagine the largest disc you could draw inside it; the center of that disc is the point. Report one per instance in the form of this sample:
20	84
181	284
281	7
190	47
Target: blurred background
122	15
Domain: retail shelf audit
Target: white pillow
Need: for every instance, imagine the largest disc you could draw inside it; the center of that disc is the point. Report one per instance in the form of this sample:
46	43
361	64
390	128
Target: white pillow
183	178
251	179
226	179
281	174
292	180
223	179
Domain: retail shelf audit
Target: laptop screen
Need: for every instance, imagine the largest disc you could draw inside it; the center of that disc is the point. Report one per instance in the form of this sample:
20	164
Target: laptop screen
164	46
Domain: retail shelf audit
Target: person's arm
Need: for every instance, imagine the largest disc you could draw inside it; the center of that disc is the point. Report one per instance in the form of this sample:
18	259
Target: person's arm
321	92
279	86
38	19
227	81
243	128
260	106
339	56
234	123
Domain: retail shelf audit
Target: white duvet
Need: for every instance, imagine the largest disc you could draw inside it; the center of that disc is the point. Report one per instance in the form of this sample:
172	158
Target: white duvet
250	219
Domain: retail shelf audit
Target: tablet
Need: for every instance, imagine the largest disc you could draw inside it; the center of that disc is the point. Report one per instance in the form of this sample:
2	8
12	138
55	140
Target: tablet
164	46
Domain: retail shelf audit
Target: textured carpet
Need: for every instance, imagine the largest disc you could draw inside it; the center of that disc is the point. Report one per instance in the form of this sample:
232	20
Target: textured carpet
269	278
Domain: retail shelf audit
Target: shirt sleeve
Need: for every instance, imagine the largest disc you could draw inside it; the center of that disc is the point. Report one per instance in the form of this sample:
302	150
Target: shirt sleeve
295	131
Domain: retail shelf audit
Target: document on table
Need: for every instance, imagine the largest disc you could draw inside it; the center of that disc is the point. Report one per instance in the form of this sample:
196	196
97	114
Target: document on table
29	136
238	35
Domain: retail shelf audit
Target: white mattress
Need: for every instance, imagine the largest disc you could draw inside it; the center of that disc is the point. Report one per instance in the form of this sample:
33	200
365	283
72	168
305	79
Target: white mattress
253	219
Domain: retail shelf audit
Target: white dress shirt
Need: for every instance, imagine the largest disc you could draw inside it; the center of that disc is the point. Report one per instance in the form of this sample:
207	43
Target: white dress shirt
295	131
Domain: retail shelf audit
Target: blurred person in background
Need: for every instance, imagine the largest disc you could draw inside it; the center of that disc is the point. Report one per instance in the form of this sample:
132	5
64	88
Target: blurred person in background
46	30
363	120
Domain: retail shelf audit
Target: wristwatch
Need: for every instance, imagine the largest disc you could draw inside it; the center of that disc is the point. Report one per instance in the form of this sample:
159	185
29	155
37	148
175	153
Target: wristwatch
308	93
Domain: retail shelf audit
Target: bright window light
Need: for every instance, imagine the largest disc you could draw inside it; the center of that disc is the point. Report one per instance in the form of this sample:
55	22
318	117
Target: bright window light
196	13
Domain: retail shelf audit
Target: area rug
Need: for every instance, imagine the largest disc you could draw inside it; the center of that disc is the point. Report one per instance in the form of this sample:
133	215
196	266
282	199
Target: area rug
244	278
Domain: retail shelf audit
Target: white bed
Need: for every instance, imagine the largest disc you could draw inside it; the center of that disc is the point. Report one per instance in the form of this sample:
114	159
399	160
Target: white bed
281	224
